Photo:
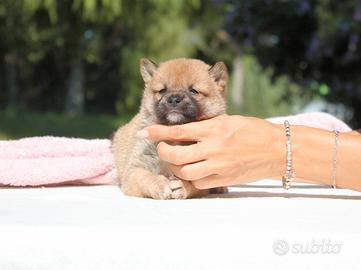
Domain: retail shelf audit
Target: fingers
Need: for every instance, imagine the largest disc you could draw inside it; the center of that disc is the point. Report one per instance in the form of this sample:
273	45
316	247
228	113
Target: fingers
204	174
179	155
193	171
211	181
220	180
194	131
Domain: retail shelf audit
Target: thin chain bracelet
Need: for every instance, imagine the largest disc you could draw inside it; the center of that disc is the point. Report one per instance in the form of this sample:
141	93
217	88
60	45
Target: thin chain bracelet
288	177
334	160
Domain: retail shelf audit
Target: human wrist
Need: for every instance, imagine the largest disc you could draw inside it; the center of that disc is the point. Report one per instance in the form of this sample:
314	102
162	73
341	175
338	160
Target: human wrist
304	147
277	151
313	150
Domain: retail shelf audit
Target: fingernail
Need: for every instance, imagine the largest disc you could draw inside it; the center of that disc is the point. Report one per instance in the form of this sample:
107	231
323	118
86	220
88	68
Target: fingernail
143	134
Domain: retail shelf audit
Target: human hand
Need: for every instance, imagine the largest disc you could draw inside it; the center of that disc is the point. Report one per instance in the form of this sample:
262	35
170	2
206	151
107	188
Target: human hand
229	150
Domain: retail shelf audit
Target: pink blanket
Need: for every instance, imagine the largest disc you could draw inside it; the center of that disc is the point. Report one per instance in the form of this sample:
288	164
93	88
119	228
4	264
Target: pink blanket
41	161
316	120
56	160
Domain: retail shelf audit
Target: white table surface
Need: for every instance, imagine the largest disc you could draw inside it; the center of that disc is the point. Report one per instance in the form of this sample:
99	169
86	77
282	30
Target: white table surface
99	228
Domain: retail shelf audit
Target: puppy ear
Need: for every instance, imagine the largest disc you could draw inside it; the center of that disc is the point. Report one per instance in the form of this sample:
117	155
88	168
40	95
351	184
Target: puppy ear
220	74
147	69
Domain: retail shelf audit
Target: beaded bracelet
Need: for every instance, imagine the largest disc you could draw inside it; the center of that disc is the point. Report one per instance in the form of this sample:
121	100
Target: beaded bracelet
289	176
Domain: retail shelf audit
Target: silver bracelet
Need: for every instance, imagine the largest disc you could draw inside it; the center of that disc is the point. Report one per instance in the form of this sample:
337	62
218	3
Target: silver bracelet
289	176
334	160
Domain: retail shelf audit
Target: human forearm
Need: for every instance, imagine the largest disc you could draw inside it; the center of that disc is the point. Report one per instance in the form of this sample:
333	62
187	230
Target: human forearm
237	150
313	156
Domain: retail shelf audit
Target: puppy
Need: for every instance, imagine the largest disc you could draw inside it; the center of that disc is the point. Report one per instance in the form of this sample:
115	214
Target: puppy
175	92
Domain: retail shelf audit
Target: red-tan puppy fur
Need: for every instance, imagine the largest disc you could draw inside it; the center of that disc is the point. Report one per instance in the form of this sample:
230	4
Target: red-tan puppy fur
176	92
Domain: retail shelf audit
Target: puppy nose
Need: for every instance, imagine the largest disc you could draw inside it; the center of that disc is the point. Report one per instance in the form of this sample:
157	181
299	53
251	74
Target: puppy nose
174	100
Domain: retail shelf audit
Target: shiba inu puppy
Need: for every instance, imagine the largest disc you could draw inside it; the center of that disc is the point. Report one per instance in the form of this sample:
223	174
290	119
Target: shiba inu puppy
175	92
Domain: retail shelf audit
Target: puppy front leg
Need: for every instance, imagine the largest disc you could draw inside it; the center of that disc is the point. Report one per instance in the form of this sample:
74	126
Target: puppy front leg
143	183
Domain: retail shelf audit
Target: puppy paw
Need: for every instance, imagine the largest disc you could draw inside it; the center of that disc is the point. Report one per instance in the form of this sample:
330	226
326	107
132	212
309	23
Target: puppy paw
160	188
185	190
179	190
164	189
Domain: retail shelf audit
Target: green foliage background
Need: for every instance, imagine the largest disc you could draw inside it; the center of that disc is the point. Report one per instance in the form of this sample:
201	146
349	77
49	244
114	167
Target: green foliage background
71	67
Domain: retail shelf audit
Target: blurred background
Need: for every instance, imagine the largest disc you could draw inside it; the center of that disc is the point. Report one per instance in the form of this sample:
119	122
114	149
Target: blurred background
71	67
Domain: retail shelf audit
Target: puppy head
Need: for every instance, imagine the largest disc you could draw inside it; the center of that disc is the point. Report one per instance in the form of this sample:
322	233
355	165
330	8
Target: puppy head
184	90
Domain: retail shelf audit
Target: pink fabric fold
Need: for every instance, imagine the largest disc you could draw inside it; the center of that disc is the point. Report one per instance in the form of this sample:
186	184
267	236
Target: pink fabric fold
39	161
316	120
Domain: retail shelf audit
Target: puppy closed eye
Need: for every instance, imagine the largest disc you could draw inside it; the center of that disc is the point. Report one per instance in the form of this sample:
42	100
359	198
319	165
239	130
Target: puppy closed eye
193	91
162	91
